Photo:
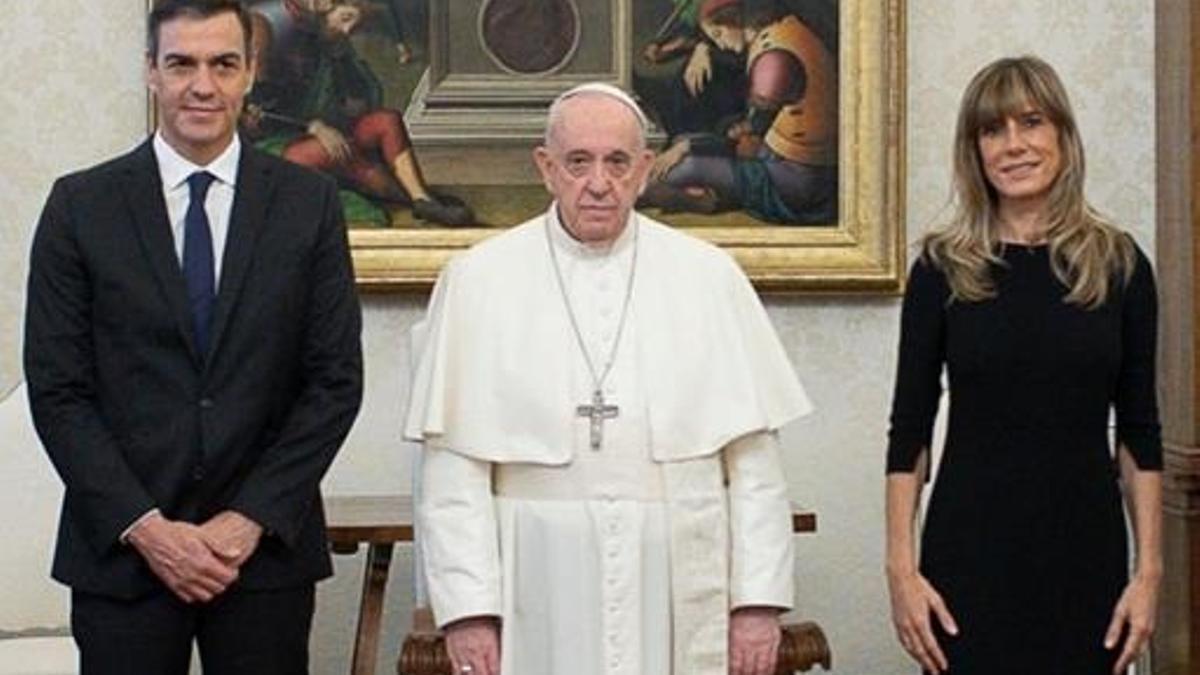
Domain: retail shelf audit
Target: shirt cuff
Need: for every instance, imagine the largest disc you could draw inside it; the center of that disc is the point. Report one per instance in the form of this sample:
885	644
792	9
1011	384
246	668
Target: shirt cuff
124	538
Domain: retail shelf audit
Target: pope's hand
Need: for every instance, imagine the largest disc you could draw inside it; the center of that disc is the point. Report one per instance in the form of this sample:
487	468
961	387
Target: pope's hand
754	636
474	645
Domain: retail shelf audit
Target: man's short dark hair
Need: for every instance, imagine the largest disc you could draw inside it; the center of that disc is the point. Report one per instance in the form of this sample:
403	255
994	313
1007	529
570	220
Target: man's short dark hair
166	10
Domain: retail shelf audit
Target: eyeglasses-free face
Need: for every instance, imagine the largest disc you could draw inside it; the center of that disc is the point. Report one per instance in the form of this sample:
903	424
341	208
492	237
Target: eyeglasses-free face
595	166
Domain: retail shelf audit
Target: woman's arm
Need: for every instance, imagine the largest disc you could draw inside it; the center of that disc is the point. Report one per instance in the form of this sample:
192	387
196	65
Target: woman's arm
913	597
1134	616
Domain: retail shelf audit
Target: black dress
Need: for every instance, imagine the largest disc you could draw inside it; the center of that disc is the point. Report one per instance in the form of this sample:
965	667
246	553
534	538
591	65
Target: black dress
1025	535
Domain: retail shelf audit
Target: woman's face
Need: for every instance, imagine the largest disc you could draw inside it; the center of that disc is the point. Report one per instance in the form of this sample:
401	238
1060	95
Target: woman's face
1021	156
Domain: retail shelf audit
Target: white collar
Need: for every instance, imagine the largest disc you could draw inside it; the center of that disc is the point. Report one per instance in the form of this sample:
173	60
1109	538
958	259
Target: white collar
175	168
563	240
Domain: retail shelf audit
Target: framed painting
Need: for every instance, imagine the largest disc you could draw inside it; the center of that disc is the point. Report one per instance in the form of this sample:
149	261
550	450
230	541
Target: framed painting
778	122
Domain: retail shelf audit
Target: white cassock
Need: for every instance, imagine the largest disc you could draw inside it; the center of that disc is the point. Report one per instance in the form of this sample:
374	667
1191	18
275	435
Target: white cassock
626	560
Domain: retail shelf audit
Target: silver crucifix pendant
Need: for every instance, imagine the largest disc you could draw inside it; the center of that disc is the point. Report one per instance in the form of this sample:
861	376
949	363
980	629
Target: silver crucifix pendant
597	412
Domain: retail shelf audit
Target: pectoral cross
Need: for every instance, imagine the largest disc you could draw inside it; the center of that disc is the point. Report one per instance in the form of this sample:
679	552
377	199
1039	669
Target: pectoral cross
597	412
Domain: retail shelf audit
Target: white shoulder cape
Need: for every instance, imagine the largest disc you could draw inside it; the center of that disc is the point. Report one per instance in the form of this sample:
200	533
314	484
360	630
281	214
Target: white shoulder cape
492	380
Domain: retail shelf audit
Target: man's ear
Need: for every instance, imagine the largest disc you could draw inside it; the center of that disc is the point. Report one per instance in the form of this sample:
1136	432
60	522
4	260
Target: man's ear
545	165
647	163
252	71
148	72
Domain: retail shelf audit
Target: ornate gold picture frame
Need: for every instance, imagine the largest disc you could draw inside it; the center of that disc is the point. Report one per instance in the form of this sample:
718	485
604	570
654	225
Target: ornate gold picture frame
860	253
474	112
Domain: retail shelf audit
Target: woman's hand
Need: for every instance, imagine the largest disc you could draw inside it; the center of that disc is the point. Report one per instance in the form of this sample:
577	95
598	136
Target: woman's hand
1136	610
913	601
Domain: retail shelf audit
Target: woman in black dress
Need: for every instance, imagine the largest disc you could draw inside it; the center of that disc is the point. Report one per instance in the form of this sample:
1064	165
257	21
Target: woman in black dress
1044	316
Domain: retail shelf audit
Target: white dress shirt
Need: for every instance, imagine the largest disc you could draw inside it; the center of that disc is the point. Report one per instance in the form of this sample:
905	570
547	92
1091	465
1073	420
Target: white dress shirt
174	170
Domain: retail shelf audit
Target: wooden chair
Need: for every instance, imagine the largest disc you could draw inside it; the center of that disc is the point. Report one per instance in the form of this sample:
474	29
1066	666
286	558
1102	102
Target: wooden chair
424	651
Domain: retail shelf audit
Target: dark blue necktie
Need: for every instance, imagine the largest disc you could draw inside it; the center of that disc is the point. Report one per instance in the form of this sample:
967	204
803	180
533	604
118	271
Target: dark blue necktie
198	259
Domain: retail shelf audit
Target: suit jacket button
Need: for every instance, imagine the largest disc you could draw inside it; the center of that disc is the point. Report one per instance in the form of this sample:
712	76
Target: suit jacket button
198	472
206	403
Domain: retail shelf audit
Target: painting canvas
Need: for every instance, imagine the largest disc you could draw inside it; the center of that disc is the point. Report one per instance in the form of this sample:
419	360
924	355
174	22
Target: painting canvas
426	112
746	96
333	80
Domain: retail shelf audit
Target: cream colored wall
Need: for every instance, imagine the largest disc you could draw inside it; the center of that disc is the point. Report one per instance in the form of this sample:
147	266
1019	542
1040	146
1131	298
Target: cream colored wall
70	89
72	93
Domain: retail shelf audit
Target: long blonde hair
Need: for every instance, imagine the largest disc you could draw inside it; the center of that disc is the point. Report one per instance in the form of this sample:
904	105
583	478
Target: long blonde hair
1087	252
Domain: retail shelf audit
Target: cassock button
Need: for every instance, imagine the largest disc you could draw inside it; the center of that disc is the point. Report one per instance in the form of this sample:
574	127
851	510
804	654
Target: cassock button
207	403
198	472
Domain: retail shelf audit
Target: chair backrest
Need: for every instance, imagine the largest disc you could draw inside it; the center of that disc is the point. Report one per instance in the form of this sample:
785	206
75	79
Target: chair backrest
30	497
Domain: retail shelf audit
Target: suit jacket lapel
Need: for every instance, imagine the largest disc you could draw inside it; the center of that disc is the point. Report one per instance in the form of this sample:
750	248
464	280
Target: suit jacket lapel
142	187
252	194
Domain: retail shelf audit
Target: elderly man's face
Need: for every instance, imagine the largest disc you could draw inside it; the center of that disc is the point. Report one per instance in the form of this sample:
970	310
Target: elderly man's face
595	166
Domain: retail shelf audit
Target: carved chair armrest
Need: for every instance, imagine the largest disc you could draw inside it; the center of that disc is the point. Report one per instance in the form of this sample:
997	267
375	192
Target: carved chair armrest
802	647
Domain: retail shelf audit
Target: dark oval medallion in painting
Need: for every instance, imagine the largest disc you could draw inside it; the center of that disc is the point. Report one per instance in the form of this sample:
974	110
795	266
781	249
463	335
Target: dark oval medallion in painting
529	37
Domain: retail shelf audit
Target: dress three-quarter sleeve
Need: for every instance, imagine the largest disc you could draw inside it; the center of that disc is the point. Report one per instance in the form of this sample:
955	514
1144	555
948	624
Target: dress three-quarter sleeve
1136	399
919	366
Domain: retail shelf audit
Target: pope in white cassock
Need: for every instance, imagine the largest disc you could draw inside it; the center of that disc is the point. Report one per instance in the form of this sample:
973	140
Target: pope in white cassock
597	396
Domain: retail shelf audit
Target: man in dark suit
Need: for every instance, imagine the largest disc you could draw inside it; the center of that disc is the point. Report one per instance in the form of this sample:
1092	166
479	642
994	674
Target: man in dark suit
193	364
